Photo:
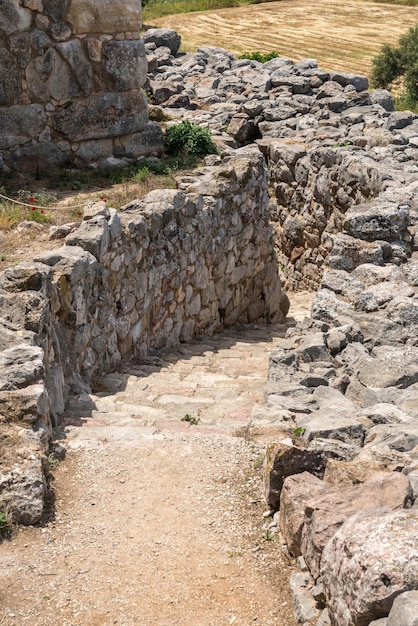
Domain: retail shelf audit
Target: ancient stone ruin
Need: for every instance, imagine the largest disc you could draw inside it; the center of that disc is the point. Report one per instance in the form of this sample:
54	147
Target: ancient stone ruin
319	176
72	74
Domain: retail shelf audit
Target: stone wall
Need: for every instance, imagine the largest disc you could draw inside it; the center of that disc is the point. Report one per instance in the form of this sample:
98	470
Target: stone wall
71	78
174	265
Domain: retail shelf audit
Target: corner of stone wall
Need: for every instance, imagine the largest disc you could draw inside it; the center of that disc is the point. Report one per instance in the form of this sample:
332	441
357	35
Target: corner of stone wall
71	84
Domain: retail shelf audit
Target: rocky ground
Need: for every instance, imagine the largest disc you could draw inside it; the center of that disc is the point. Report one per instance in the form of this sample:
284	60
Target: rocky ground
156	520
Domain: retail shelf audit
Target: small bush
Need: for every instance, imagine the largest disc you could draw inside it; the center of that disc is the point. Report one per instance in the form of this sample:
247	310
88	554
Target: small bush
189	140
259	56
394	62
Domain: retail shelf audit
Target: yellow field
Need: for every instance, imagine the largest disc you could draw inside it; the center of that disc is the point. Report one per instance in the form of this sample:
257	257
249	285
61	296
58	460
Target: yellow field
341	35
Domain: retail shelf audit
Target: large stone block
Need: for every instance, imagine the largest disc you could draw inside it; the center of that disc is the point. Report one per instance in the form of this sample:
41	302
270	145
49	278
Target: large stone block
102	116
19	124
404	610
60	73
56	9
371	560
284	460
39	159
297	491
145	143
104	16
14	18
325	514
125	64
9	78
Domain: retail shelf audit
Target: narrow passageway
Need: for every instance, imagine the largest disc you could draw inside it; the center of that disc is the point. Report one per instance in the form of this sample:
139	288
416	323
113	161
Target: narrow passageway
158	506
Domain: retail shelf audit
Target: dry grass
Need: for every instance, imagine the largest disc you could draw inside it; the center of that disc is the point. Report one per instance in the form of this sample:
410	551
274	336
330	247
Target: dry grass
341	35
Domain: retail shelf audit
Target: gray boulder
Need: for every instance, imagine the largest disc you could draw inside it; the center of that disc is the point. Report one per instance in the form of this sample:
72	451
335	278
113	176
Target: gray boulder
163	37
404	611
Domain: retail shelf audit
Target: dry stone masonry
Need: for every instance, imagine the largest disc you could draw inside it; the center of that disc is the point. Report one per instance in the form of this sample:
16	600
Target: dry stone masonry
340	166
172	266
343	179
71	84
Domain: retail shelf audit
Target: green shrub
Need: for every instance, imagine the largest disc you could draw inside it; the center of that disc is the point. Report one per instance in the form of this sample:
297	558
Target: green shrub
259	56
189	140
394	62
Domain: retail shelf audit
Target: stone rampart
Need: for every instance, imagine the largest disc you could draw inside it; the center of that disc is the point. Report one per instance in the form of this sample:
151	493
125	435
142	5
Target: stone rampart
174	265
71	78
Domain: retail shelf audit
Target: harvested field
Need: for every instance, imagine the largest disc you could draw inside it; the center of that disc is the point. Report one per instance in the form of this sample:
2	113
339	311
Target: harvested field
341	35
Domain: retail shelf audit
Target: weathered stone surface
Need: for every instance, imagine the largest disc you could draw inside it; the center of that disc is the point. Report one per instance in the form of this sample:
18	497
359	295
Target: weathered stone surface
92	236
304	605
325	514
163	37
377	221
349	252
404	611
42	158
402	437
124	64
389	366
13	17
9	78
296	492
146	143
20	124
375	554
106	115
25	500
322	424
56	9
104	16
284	460
63	72
26	405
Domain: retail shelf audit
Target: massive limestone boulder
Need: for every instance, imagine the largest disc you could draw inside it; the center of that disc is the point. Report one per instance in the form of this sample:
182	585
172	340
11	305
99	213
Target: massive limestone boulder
375	556
329	510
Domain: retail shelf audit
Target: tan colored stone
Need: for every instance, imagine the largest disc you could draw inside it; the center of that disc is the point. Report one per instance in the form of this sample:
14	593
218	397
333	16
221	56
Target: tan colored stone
104	16
325	514
297	491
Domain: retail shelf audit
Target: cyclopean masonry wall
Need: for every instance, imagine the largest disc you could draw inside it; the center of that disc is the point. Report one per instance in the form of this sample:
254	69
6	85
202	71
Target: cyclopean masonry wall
177	264
71	78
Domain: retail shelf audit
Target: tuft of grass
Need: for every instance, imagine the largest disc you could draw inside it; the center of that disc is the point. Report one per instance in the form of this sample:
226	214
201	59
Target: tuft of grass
193	421
53	461
5	526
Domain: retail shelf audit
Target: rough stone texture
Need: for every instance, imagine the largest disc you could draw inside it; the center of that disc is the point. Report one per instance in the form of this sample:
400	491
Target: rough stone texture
296	492
284	460
326	513
404	610
59	87
104	16
376	556
169	267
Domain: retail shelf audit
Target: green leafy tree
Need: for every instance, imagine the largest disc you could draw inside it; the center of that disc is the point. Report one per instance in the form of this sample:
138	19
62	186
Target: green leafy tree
396	61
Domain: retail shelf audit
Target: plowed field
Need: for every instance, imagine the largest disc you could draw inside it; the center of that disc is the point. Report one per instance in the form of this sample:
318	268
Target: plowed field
342	35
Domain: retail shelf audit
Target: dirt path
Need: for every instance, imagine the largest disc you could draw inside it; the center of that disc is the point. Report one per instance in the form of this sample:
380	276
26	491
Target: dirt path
340	35
159	521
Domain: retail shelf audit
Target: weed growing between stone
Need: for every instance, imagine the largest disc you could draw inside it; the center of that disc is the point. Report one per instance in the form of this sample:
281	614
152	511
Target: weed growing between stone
5	527
189	141
193	421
